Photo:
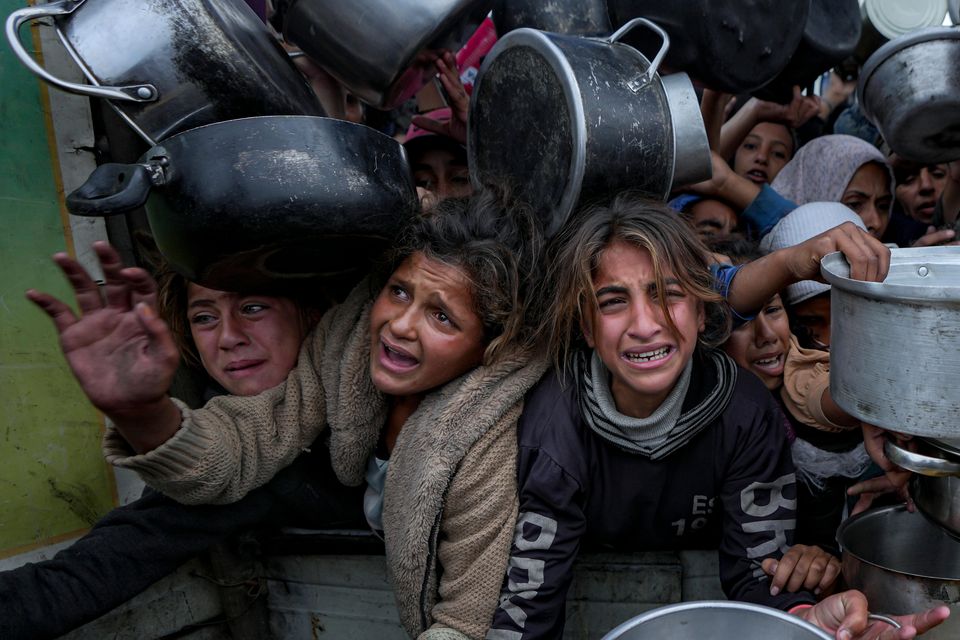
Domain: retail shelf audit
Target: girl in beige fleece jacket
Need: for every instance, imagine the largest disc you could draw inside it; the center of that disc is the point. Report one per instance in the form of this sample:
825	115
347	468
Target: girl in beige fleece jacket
428	372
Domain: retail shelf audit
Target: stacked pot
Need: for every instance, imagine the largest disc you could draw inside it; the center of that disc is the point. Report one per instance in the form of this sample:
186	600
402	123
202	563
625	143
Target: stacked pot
894	363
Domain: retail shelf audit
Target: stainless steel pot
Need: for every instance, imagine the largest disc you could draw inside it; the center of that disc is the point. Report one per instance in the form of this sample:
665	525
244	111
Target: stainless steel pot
171	65
382	50
567	119
886	20
935	485
910	89
895	345
938	497
903	564
254	200
730	45
717	620
572	17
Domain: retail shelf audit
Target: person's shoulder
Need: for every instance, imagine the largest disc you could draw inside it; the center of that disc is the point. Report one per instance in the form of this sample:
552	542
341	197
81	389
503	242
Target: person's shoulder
550	408
752	406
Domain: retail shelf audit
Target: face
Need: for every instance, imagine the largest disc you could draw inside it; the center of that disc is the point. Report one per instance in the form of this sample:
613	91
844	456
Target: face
442	173
712	218
813	314
868	194
919	188
763	152
628	329
760	346
424	330
247	343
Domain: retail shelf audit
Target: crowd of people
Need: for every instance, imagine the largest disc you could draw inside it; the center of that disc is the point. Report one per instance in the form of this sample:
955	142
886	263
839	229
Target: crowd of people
491	401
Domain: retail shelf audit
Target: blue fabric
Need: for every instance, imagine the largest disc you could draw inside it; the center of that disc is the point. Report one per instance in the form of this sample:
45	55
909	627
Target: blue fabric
765	211
723	275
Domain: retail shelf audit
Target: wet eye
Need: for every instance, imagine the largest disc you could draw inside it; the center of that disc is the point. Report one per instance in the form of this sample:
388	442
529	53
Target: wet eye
443	318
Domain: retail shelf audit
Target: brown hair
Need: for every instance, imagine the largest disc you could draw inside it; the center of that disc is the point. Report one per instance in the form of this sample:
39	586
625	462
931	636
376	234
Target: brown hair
644	224
497	242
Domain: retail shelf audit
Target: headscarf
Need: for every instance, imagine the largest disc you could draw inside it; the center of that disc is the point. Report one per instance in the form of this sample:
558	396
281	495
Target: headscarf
821	170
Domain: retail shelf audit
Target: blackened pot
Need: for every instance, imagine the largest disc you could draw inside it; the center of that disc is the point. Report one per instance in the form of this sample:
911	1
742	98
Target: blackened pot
572	17
253	200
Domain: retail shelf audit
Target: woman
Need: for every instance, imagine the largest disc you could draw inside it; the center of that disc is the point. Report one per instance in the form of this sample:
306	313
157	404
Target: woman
240	343
645	438
844	169
424	376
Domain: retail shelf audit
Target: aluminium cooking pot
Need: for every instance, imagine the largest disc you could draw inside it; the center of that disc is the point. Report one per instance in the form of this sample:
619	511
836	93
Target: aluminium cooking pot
895	345
383	51
935	484
903	564
566	119
171	65
910	89
717	620
729	45
249	201
571	17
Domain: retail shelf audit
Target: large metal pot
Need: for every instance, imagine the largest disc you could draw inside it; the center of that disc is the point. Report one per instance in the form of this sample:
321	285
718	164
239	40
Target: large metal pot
729	45
830	35
572	17
717	620
895	345
567	119
903	564
252	200
382	50
935	485
886	20
910	89
171	65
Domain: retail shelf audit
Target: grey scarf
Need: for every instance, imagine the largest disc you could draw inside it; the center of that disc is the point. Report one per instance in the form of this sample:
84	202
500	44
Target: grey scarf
669	427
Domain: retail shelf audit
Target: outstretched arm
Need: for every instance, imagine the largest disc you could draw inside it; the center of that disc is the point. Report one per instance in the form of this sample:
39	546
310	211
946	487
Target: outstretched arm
845	615
121	353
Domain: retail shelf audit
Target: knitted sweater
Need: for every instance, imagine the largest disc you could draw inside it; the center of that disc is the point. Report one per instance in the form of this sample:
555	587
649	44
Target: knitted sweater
450	502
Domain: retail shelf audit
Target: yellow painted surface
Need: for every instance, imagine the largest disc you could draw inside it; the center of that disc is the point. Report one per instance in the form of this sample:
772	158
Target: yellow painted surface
53	481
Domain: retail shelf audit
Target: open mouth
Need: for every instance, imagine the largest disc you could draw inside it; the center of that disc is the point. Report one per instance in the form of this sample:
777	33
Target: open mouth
395	358
758	176
771	365
643	357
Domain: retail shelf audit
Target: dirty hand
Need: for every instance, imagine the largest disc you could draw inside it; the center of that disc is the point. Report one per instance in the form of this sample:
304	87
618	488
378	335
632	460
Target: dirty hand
456	127
933	237
894	479
802	567
800	109
845	615
122	354
868	257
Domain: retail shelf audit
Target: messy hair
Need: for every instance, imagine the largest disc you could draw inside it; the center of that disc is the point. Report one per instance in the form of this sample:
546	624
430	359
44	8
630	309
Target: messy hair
645	224
497	243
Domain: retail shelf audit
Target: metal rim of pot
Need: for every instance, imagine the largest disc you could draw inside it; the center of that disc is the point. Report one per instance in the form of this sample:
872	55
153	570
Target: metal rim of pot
787	619
927	465
836	271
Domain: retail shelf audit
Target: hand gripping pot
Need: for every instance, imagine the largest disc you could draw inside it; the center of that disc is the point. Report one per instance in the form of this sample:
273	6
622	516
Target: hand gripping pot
895	345
566	119
171	65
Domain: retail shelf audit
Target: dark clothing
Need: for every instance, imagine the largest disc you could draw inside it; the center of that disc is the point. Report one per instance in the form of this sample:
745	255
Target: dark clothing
732	487
134	546
902	230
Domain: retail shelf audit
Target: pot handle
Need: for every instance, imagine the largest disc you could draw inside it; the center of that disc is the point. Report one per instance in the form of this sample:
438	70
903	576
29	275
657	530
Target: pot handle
638	83
133	93
919	463
112	188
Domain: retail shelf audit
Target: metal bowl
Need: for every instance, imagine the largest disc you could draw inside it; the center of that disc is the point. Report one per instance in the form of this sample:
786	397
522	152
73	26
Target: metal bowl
718	620
894	344
903	564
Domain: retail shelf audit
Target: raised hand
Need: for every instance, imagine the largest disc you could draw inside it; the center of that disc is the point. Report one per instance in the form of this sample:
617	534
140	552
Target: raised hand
121	353
456	126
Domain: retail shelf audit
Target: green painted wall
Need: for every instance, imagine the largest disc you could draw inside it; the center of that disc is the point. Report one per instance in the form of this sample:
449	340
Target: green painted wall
53	480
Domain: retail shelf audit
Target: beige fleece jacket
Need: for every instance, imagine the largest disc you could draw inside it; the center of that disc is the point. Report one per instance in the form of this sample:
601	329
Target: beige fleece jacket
450	500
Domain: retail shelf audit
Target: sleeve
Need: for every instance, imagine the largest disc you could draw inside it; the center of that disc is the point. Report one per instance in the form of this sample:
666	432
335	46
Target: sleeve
478	522
806	376
234	444
723	275
765	211
759	497
545	544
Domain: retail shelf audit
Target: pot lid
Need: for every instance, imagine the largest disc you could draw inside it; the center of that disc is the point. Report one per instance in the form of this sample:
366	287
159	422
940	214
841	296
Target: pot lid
893	18
923	274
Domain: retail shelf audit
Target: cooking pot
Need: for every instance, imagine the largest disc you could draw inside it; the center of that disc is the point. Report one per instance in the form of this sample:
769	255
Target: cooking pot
894	344
253	200
885	20
935	485
730	45
717	620
830	35
903	564
382	50
572	17
938	498
566	119
171	65
910	89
